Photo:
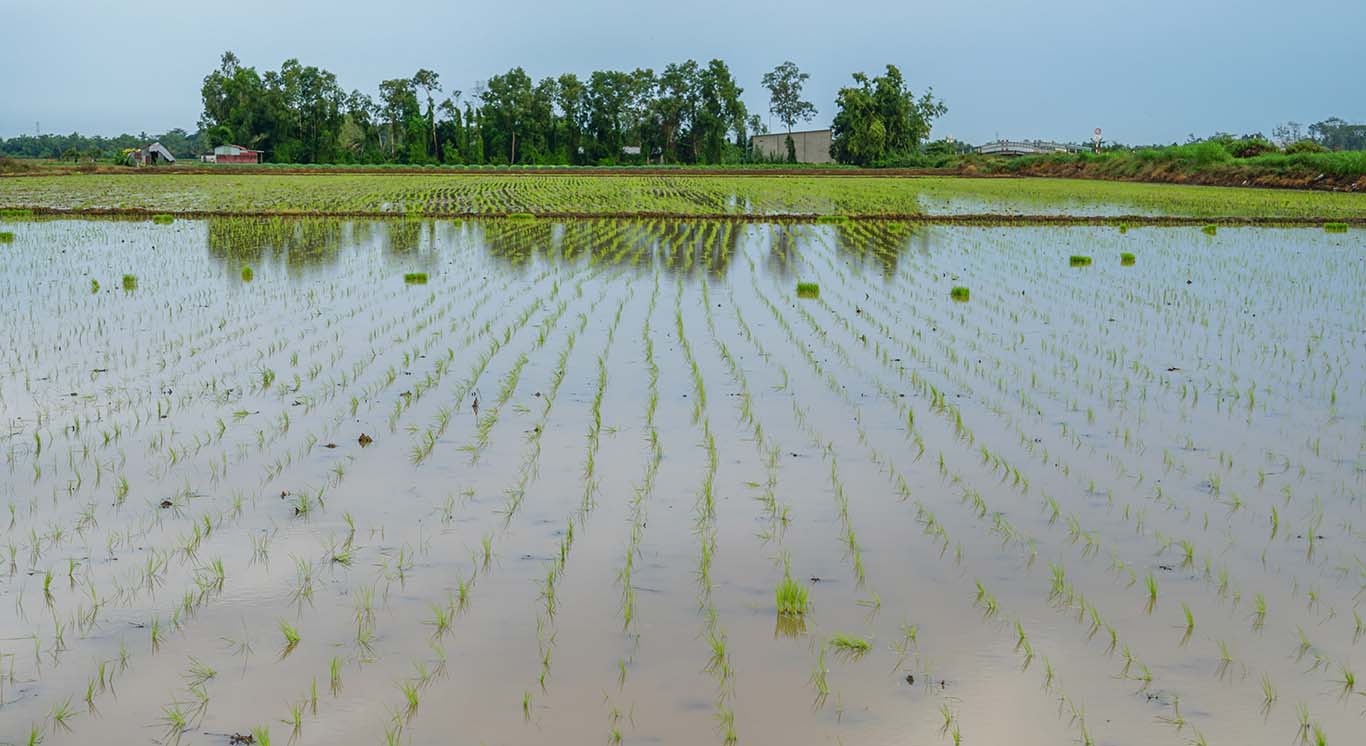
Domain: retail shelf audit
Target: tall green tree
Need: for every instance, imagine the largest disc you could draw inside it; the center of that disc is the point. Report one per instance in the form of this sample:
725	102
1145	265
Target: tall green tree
881	119
429	82
784	84
507	105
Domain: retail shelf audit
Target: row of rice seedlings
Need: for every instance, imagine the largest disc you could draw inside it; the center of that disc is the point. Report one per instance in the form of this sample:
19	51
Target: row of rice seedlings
1187	626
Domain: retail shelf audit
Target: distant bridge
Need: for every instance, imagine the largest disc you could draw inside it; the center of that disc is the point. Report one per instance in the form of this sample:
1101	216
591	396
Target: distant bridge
1027	147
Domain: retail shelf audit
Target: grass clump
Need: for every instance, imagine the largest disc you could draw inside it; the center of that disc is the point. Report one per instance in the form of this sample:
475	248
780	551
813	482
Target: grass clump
14	212
791	597
163	219
1127	259
415	278
1335	227
6	236
1210	230
849	647
247	273
1079	260
960	294
808	290
130	282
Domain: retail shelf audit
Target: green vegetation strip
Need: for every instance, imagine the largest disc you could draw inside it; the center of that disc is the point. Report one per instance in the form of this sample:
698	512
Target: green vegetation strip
982	219
807	198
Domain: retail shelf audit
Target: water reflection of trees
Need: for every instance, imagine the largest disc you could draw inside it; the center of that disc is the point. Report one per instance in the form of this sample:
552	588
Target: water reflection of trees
877	244
675	247
297	243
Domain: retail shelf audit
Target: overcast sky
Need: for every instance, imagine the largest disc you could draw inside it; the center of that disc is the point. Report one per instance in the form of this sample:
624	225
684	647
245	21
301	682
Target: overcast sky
1145	71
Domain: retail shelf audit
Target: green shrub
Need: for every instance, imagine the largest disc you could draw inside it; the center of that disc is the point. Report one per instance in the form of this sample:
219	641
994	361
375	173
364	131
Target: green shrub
1305	146
1249	147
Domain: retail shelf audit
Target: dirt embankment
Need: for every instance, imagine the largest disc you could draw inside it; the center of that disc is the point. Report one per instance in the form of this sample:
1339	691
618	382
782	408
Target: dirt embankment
1162	173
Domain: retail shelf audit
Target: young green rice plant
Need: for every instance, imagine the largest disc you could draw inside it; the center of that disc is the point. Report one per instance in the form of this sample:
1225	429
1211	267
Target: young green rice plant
1210	229
410	697
291	635
1151	583
334	669
6	236
247	273
791	597
1127	259
1079	260
1335	227
960	294
1348	681
1302	713
1190	623
175	721
61	714
1268	693
848	647
819	679
163	219
415	278
808	290
130	283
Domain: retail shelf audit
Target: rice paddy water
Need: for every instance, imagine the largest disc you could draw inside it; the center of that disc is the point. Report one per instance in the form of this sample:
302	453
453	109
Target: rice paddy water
534	480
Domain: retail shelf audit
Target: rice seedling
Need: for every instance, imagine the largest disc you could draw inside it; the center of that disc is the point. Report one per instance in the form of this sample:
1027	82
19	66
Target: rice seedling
130	283
960	294
291	635
163	219
807	289
6	236
1210	229
1335	227
247	273
415	278
1079	260
791	597
1127	259
847	646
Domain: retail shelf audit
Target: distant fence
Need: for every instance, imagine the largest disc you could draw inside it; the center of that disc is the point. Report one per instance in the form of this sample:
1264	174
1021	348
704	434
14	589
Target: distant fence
1027	147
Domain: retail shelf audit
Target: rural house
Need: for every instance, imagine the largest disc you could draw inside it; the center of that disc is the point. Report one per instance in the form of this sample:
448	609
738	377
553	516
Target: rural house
150	155
232	154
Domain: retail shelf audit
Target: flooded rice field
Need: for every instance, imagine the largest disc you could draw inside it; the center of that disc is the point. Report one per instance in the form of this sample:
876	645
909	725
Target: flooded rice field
522	481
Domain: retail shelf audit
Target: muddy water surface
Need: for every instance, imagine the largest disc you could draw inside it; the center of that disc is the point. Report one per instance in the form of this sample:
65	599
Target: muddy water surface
1112	504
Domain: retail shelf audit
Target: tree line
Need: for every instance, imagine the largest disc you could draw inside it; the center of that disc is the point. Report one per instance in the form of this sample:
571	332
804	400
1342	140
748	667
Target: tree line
690	113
